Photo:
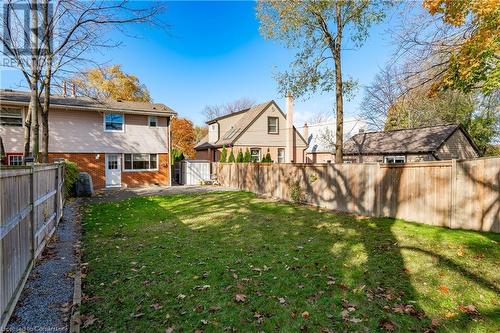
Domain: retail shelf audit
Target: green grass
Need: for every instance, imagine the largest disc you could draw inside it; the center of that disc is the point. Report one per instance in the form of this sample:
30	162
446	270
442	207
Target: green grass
179	261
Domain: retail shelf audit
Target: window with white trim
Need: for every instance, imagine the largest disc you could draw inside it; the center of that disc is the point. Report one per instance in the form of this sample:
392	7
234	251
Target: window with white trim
140	161
114	122
11	117
153	121
281	155
255	155
395	159
272	125
15	159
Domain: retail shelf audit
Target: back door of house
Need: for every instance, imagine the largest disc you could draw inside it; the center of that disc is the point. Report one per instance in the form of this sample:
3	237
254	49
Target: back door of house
113	170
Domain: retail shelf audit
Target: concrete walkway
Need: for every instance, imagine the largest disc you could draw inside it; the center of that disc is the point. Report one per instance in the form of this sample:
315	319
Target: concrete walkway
45	303
111	195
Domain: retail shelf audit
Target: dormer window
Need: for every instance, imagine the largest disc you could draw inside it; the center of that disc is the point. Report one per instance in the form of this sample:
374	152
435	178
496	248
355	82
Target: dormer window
114	122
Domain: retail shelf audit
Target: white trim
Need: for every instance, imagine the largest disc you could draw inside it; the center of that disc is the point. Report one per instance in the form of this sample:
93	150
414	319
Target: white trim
395	157
141	170
104	122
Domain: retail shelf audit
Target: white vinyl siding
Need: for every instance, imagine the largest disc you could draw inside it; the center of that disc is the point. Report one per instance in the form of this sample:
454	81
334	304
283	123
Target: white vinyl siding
11	117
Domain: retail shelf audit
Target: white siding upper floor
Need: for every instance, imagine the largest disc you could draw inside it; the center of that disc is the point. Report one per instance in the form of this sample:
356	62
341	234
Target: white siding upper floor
72	131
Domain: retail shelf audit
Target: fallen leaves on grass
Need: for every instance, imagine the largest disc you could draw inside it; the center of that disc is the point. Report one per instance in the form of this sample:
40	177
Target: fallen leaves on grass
387	325
156	306
305	315
87	320
240	298
469	309
443	288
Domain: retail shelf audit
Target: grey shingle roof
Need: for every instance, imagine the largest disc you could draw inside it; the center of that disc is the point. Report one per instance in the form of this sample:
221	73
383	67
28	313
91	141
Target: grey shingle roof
415	140
81	102
239	127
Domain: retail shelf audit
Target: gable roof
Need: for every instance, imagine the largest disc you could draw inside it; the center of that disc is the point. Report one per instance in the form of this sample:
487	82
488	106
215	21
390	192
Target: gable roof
321	136
22	98
414	140
240	126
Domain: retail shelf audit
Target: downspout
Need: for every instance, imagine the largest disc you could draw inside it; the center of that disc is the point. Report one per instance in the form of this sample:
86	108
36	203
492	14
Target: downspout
169	152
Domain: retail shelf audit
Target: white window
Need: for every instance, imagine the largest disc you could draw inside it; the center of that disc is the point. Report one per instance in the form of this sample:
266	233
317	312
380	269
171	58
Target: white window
11	117
113	122
395	159
272	125
255	155
15	159
140	161
152	121
281	155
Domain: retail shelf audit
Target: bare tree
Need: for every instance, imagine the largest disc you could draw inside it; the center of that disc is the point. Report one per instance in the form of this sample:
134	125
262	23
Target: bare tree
69	31
214	111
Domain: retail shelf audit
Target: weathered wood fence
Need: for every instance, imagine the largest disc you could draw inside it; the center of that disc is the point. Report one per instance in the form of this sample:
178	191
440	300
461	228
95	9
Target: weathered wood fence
454	194
31	206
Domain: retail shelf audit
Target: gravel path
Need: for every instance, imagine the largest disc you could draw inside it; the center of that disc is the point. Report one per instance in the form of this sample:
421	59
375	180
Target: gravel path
45	303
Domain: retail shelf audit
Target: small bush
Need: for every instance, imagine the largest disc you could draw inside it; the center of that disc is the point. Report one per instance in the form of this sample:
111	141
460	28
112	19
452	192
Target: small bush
231	158
246	158
240	157
296	192
70	176
223	155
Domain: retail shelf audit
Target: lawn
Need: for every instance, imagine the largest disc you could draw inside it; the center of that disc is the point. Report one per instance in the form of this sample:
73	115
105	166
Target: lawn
235	262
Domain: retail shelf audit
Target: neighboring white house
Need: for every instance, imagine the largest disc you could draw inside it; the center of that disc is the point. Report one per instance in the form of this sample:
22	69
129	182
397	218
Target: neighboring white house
321	138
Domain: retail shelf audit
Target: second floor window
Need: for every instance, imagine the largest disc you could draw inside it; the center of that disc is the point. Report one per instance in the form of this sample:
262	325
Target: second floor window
272	125
113	122
281	155
11	117
152	121
394	159
15	159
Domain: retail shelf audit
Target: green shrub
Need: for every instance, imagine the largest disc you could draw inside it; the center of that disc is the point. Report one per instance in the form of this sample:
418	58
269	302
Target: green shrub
177	155
296	192
246	158
267	158
231	157
223	155
240	157
70	176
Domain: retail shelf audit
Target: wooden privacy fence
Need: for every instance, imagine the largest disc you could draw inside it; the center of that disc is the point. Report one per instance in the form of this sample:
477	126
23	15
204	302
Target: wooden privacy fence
454	194
31	206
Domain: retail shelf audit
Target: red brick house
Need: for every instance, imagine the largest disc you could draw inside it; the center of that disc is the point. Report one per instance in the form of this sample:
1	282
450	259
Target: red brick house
118	143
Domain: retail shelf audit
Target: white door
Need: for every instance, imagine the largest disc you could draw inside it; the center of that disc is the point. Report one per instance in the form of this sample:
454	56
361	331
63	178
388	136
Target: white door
113	170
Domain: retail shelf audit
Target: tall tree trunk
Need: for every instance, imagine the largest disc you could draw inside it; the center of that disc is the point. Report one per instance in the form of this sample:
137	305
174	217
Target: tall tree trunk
34	99
47	82
2	152
27	134
339	133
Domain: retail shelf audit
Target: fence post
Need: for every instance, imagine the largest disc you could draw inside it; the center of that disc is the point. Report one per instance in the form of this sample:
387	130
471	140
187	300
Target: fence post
453	194
32	213
378	192
56	203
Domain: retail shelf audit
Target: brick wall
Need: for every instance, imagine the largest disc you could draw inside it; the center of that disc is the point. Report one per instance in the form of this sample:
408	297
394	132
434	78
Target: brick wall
91	163
143	178
94	164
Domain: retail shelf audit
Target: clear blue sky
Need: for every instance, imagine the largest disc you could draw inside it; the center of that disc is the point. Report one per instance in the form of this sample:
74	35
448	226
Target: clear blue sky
214	53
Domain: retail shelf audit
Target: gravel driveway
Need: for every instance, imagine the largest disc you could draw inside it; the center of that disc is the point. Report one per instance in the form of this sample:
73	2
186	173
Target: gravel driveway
45	303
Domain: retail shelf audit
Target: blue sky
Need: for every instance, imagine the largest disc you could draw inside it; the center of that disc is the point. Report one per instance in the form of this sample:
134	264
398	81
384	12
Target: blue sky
213	53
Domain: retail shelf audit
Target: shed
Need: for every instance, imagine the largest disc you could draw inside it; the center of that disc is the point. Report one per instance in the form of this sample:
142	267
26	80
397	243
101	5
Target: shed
192	172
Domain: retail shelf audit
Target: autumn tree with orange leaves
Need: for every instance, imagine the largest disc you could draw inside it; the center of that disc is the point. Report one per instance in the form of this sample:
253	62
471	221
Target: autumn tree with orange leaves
183	137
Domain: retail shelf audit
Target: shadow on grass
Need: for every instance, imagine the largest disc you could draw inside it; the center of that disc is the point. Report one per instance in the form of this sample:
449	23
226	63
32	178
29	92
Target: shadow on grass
151	260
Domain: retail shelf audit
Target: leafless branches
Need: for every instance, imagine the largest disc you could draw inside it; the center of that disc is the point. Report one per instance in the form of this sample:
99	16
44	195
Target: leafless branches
214	111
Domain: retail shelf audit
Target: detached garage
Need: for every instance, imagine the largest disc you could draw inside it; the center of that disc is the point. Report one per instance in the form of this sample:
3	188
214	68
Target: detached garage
194	172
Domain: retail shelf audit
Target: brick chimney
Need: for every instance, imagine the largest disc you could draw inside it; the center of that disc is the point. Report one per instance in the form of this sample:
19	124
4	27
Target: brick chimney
289	151
73	89
64	88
